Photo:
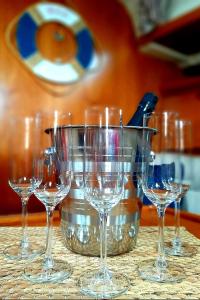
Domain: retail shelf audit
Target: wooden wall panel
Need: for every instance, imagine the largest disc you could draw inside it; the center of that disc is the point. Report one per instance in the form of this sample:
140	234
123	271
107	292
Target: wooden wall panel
123	77
187	103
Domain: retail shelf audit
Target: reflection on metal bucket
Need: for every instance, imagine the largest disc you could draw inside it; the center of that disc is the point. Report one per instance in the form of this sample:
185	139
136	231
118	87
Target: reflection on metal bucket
80	226
80	221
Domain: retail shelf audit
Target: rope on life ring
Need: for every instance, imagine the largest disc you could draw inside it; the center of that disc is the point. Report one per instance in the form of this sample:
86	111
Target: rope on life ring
26	29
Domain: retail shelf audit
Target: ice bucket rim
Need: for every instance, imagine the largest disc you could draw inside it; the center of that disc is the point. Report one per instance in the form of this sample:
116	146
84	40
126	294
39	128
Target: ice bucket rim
48	130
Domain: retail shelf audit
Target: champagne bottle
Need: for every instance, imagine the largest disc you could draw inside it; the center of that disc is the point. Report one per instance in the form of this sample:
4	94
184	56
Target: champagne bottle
146	105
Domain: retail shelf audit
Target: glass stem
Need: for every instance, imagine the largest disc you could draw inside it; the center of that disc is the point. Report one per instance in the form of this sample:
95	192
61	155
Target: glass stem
48	261
24	241
103	243
161	262
177	240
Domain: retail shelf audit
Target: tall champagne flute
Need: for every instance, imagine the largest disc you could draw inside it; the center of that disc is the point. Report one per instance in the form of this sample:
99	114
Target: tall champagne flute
22	148
177	247
53	167
103	188
161	183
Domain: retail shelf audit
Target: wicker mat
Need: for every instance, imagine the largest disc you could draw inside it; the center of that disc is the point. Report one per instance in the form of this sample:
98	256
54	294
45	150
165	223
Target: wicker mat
14	286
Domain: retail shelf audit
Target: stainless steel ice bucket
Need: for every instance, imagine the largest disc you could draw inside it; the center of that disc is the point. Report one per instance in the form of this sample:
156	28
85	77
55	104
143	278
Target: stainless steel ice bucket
80	221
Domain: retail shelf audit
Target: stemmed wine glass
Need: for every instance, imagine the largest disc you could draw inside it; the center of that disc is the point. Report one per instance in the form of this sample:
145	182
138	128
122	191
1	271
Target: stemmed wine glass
53	168
177	247
22	148
161	183
103	188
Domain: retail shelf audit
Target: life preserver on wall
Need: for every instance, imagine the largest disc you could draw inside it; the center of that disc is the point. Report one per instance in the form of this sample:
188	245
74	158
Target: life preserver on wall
26	29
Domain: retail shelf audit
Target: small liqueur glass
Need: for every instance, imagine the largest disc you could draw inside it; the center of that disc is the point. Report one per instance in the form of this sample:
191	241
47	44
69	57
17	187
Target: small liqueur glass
103	188
161	183
177	247
22	149
53	168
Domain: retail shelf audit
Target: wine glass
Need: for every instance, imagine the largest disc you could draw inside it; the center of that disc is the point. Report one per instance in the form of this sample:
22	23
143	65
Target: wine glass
22	148
53	167
103	188
161	183
177	247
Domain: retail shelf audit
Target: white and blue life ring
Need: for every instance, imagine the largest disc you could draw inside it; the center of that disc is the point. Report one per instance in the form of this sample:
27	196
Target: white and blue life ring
62	73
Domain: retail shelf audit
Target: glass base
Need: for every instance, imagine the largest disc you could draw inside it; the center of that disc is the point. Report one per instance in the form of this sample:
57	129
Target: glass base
104	286
185	250
37	274
15	252
148	271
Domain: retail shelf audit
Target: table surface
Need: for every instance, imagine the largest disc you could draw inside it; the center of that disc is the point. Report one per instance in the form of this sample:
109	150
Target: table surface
14	286
148	218
188	220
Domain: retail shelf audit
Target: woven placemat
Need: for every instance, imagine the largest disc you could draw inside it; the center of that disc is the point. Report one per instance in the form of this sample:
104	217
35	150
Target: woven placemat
14	286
